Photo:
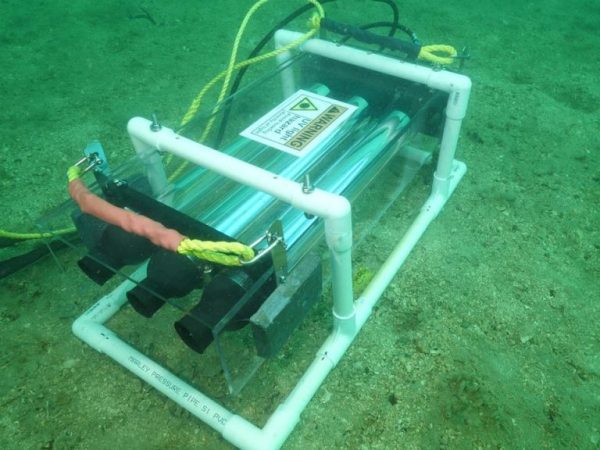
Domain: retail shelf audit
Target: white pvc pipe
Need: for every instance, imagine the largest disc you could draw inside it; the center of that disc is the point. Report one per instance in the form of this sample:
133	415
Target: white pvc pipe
318	203
90	329
459	86
441	177
287	74
155	171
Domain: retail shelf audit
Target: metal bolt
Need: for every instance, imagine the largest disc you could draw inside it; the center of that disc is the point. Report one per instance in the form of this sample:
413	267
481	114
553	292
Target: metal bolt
307	187
155	126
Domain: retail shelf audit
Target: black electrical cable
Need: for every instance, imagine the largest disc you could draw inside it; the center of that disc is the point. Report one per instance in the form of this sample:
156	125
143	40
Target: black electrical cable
392	4
413	36
409	48
12	265
369	26
397	25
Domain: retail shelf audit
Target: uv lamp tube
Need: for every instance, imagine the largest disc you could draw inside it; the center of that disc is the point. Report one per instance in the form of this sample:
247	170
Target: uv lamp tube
235	216
244	203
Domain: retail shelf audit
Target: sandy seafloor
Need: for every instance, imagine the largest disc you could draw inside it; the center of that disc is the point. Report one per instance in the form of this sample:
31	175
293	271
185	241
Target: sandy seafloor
487	338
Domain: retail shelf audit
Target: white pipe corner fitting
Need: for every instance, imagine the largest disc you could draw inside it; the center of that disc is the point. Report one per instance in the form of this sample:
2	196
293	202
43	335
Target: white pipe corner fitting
459	88
282	422
145	139
81	327
331	207
245	435
338	224
334	209
94	334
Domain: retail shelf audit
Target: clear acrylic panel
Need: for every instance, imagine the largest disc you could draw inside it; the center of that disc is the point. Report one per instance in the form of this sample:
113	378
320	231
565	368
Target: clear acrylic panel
387	137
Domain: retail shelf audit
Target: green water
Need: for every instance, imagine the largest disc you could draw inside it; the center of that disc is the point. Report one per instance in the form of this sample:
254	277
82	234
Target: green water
488	337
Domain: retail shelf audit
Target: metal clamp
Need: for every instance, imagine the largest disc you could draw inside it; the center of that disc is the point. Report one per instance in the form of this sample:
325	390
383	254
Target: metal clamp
276	248
272	240
93	160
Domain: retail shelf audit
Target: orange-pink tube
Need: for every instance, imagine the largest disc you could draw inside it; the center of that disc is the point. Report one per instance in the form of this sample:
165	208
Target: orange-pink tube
135	223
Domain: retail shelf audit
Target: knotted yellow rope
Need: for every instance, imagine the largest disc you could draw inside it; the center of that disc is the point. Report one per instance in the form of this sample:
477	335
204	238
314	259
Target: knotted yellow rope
428	53
224	253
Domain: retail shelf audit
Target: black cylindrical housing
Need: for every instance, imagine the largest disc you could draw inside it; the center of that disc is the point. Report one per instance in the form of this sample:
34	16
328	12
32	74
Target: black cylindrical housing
219	297
110	248
169	275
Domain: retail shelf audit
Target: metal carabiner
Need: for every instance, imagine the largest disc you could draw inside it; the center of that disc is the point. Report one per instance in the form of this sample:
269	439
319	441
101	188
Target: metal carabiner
273	242
93	160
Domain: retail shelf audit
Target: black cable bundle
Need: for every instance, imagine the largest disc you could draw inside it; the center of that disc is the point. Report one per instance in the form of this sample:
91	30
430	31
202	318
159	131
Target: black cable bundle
409	48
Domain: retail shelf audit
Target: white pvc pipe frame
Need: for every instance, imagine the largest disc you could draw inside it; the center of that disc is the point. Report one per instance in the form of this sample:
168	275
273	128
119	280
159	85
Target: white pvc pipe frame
349	316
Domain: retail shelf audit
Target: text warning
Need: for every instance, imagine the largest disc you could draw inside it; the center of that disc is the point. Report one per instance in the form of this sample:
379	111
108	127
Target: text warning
300	123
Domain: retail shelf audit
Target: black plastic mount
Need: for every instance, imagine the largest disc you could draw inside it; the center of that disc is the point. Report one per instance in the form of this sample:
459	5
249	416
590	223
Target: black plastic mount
283	311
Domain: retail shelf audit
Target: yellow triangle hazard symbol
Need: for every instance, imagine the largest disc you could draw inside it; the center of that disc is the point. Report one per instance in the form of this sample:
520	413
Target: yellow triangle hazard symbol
304	105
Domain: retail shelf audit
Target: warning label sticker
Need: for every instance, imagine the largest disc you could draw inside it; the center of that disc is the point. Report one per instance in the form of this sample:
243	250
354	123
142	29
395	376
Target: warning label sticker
300	123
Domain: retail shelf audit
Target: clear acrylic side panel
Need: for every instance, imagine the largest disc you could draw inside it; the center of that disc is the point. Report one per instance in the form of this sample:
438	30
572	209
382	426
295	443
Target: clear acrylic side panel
371	159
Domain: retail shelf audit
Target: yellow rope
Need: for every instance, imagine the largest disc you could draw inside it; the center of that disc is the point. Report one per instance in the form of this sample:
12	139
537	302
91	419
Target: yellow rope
195	105
428	53
26	236
234	50
72	173
224	253
227	73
